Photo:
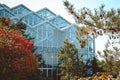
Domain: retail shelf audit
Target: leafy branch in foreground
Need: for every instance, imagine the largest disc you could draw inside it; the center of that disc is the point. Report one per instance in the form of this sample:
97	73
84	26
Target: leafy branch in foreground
96	22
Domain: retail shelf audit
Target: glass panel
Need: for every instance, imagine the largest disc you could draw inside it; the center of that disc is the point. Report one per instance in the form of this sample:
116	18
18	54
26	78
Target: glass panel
1	13
30	32
5	6
44	31
71	35
46	14
6	13
32	19
20	10
1	6
14	20
59	22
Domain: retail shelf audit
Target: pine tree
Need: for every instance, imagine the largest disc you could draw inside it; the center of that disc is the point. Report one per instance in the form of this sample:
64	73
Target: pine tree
69	60
94	23
111	59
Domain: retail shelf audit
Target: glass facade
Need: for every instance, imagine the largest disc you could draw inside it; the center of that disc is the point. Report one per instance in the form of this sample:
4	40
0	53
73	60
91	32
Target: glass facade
48	30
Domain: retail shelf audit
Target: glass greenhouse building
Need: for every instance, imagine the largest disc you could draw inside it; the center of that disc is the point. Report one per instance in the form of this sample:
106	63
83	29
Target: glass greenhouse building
48	30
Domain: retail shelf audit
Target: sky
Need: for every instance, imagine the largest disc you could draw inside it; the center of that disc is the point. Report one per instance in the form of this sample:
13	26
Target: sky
58	8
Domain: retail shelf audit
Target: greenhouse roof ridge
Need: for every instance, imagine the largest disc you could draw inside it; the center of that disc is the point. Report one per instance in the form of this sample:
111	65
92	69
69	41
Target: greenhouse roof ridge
21	5
63	23
46	9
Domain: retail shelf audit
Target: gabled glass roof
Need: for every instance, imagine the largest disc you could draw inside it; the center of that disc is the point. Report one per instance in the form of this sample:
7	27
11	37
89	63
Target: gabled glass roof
46	13
5	6
6	13
60	22
32	19
20	10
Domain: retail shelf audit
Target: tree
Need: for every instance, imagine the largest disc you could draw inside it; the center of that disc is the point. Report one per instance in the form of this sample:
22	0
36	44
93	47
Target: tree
95	23
6	22
111	59
16	56
71	62
96	67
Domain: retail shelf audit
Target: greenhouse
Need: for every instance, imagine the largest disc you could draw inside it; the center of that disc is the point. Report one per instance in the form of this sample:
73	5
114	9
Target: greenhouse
48	30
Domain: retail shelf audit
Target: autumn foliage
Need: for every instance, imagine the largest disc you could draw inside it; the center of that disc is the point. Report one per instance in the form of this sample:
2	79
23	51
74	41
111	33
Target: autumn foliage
16	56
